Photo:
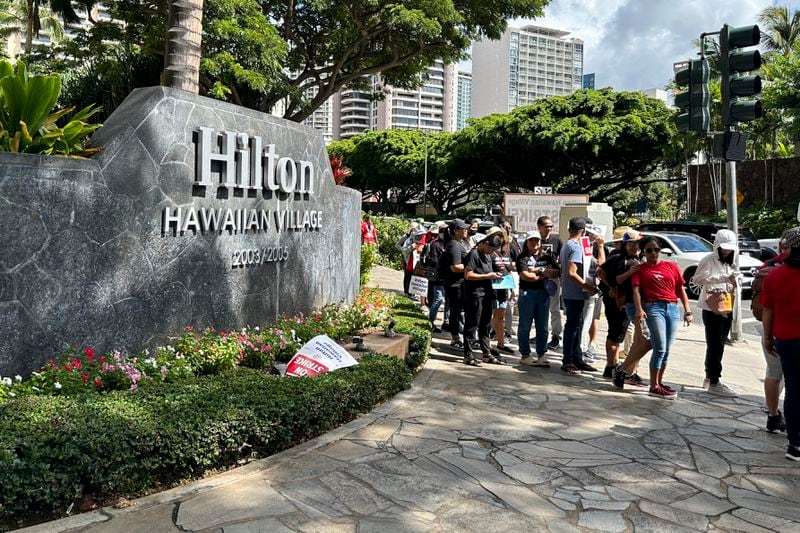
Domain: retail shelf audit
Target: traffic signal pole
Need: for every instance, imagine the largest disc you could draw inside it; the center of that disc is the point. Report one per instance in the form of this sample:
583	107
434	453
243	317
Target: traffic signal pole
733	225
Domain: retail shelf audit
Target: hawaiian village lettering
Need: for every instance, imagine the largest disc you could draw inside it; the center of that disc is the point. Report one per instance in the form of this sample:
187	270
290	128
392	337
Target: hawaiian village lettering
232	160
238	221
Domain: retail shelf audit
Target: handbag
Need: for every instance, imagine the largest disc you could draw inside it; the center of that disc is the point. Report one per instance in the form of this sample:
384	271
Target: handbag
720	303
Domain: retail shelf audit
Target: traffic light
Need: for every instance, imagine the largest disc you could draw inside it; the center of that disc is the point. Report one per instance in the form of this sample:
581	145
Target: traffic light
734	86
693	103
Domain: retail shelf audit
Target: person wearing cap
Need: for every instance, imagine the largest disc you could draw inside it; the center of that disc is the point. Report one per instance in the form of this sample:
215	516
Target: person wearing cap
473	237
411	251
503	263
592	308
551	245
716	274
432	253
453	266
617	297
575	290
478	298
781	318
535	269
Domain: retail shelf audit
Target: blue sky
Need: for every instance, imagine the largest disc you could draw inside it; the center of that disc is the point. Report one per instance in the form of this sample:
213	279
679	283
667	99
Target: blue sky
632	44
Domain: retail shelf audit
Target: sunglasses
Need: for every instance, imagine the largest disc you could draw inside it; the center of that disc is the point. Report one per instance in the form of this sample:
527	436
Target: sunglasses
652	250
548	226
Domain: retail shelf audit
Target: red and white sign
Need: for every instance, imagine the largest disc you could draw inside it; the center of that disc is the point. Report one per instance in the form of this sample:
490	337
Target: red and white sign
319	355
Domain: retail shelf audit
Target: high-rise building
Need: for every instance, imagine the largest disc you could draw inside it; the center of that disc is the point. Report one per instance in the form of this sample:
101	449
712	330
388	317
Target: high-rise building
525	64
431	107
322	118
15	42
464	99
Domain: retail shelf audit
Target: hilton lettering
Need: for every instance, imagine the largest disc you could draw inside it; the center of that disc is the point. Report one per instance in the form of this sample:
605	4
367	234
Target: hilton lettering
245	163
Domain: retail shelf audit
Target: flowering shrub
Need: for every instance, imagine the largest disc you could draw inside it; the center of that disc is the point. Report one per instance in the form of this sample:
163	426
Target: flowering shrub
211	352
196	353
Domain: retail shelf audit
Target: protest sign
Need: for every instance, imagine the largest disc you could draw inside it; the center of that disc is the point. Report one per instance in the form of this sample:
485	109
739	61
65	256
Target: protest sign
418	286
319	355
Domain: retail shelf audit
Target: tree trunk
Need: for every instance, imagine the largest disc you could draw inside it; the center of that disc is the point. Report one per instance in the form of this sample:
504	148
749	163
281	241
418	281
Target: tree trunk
182	55
29	28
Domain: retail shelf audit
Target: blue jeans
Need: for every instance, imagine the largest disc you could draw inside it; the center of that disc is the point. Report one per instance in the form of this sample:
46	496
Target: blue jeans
572	332
789	350
534	305
662	321
435	299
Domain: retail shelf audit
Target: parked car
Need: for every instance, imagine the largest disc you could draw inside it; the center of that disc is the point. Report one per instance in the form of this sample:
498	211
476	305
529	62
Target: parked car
748	244
687	249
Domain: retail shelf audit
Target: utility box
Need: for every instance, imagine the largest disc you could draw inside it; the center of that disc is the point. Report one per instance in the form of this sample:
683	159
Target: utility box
601	215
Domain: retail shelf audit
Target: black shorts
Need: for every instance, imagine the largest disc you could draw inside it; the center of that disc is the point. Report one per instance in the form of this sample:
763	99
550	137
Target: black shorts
501	295
618	320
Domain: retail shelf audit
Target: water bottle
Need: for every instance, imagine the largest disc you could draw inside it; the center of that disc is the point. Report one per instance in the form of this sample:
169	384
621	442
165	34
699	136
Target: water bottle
645	330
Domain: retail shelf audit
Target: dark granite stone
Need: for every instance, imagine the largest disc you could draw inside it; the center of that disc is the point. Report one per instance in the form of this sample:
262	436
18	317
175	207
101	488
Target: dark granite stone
87	260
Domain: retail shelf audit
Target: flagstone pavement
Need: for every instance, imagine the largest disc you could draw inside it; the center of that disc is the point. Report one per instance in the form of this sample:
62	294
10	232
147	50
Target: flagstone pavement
509	448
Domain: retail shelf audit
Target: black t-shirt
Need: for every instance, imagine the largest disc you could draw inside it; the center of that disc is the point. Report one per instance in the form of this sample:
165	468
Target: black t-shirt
502	263
617	265
454	254
552	246
528	261
480	264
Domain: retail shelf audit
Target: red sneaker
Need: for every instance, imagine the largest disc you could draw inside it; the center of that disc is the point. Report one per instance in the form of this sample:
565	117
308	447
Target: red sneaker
661	392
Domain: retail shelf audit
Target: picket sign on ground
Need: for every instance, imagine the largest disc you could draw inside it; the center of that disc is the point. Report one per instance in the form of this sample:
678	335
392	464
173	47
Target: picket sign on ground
319	355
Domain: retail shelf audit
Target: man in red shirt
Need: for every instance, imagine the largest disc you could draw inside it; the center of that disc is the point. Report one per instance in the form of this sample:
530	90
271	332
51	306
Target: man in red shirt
781	301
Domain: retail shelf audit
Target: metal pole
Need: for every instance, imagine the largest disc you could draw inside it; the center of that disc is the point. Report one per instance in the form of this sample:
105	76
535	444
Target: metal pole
733	225
425	190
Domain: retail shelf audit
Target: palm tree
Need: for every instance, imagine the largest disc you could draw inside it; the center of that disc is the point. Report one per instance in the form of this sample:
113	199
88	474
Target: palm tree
18	17
182	55
781	31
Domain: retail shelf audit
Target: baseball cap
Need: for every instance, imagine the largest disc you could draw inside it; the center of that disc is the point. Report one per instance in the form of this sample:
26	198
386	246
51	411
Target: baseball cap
533	235
457	223
577	223
726	239
493	230
792	238
631	236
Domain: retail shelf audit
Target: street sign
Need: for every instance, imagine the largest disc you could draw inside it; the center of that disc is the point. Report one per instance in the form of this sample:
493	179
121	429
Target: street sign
739	197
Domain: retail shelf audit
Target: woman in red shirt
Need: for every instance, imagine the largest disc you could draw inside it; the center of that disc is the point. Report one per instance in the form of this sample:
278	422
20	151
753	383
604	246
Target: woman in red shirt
657	287
781	316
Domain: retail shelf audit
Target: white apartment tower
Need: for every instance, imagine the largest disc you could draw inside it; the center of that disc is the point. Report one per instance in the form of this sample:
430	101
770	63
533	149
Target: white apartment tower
464	99
431	107
525	64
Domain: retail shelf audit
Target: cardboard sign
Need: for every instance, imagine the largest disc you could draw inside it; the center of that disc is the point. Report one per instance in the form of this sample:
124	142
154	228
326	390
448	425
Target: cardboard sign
319	355
527	208
586	246
418	286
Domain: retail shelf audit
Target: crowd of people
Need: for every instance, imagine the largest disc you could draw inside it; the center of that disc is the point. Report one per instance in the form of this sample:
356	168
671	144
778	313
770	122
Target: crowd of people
480	279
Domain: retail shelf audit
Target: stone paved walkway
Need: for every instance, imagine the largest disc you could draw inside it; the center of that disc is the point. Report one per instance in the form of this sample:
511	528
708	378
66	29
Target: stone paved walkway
509	449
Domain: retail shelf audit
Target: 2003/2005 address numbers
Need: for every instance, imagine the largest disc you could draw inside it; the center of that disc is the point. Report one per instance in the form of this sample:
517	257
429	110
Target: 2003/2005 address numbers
258	256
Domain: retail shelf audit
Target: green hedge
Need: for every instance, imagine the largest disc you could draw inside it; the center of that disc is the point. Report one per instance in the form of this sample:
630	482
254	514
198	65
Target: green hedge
413	322
54	449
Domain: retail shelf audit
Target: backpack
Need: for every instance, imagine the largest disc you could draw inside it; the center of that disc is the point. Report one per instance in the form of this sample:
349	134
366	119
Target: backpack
430	257
757	287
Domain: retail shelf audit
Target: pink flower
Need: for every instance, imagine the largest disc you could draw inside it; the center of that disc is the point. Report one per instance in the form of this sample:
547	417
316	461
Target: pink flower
189	328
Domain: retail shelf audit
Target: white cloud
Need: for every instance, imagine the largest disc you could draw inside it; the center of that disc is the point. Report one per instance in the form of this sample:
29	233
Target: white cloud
632	44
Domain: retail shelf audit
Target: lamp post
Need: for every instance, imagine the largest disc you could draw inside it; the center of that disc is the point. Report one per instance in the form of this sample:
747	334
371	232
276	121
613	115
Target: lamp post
425	179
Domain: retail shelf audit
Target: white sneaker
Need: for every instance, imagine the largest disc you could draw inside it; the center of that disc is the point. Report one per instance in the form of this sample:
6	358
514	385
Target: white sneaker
527	360
542	361
706	383
720	389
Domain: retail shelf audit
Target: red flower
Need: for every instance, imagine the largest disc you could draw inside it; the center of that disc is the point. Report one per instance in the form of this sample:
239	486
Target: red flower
51	363
68	367
85	377
76	363
189	328
97	382
89	353
102	359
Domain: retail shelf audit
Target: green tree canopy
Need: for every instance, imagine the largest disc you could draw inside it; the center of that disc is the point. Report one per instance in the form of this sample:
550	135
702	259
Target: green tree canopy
596	142
259	53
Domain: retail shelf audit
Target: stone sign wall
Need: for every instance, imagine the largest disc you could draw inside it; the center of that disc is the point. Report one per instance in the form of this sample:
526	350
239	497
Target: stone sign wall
197	212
